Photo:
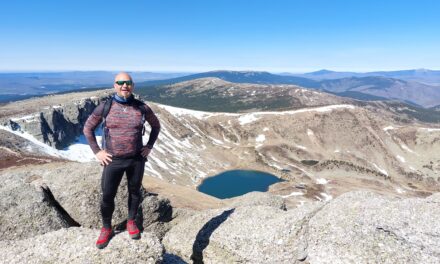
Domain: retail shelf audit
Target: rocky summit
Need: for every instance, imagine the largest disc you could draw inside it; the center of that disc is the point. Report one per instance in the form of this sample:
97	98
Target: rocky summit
361	185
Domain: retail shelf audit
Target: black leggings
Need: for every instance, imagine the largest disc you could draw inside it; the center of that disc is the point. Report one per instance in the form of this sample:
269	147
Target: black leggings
111	178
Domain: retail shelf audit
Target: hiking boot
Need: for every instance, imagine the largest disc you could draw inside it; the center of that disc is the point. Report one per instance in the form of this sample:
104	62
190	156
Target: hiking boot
133	230
104	237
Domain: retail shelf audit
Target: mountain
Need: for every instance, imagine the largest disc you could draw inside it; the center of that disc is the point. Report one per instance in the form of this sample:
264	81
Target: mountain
431	77
214	94
363	88
18	86
352	172
241	77
396	89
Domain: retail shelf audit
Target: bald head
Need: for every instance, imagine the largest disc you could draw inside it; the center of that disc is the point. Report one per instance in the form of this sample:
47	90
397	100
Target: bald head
123	84
123	76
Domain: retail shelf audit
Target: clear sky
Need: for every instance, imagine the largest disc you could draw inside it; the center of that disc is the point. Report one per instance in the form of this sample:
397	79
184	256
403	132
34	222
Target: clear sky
202	35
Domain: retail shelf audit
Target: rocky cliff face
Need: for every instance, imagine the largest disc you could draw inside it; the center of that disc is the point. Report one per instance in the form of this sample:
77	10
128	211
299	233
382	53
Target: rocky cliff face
58	125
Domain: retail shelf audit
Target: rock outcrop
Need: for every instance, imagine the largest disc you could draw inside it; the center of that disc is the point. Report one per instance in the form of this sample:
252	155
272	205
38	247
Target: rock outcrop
24	210
77	245
77	188
362	227
249	234
357	227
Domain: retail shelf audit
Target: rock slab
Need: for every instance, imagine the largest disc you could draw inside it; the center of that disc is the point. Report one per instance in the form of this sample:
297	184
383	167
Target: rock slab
77	245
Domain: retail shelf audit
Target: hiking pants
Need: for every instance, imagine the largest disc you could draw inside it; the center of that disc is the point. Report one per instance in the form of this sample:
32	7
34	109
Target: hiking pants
111	178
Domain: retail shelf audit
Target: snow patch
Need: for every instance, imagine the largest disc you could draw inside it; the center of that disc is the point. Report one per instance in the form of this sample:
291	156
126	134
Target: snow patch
321	181
430	129
399	190
292	194
260	138
247	118
379	169
388	128
402	159
327	197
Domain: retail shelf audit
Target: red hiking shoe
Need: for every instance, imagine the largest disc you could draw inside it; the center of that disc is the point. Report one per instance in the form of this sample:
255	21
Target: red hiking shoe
104	237
133	230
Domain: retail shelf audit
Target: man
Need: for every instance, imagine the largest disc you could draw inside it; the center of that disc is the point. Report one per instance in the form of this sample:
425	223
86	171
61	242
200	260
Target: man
122	150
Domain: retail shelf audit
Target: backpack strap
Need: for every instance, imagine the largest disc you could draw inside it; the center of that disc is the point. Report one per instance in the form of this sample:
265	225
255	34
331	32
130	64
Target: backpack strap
106	108
104	113
141	107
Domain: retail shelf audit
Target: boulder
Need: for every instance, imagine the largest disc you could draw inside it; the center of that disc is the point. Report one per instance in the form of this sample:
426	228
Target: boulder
364	227
25	211
77	245
249	234
77	188
357	227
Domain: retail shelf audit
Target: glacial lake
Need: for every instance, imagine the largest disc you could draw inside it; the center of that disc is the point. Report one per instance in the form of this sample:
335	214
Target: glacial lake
237	182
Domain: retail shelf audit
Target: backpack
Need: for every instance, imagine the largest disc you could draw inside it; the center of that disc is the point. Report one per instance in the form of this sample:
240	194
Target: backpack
108	104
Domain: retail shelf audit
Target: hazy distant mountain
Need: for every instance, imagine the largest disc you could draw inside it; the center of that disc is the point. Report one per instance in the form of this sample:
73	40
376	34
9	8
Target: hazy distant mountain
362	88
368	88
243	77
15	86
420	75
214	94
396	89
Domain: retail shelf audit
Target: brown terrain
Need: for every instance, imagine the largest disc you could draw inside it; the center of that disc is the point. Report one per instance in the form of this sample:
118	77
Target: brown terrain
328	147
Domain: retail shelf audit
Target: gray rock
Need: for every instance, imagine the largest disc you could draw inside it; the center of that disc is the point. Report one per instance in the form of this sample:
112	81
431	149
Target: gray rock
77	245
250	234
155	215
357	227
363	227
258	198
24	210
77	187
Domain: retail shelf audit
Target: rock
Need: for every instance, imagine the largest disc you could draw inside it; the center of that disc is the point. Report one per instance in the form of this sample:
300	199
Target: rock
77	245
258	198
155	215
357	227
363	227
249	234
58	126
24	210
77	187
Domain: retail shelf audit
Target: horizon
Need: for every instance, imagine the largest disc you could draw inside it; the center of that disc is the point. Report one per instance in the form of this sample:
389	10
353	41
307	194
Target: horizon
200	36
196	72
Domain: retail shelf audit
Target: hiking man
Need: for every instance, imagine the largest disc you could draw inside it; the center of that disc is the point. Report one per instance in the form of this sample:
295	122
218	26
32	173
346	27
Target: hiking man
122	150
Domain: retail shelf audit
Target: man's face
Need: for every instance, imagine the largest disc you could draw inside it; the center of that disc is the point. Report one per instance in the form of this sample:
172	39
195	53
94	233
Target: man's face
124	85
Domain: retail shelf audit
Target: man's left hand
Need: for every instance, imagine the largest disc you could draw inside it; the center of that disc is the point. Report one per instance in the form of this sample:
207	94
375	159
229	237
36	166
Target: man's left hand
145	152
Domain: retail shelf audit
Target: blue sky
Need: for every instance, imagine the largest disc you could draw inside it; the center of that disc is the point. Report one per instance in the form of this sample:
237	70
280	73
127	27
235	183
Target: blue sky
187	35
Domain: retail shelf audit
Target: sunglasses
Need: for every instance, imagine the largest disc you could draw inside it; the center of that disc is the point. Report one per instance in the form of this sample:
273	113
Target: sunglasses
128	83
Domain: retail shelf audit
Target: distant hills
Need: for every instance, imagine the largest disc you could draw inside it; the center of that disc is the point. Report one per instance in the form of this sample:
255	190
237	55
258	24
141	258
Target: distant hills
258	77
419	75
17	86
368	88
416	87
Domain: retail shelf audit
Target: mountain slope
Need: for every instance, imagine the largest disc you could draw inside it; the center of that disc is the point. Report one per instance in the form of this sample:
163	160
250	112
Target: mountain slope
240	77
213	94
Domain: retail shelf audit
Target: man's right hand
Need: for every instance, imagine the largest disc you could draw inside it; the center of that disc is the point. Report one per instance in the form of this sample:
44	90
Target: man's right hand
104	157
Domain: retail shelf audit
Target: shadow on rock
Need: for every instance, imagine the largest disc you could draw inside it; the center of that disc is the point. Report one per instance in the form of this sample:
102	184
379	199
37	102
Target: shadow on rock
172	259
153	213
203	236
50	199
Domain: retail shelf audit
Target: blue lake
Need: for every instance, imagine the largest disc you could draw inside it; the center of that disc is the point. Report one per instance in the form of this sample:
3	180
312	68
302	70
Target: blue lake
237	182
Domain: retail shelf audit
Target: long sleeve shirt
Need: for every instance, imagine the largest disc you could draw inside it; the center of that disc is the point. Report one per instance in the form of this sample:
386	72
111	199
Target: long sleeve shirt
124	126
